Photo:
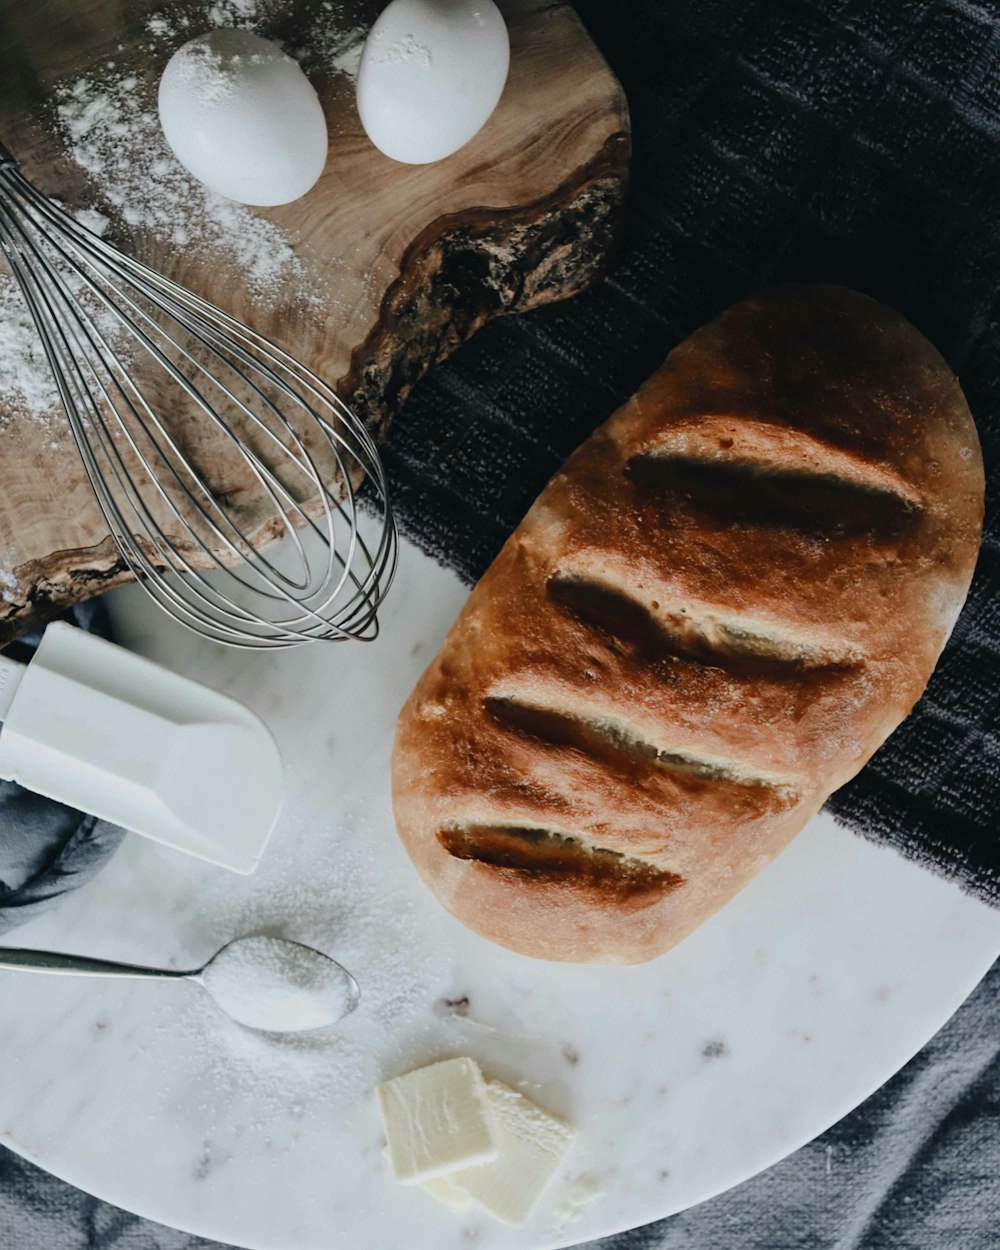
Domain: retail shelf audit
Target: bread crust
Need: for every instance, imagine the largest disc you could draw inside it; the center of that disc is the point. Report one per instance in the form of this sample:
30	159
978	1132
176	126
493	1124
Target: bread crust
710	619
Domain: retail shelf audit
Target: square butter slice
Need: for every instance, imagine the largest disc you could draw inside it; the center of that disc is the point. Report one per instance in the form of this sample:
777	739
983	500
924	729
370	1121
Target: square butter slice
437	1119
532	1146
443	1190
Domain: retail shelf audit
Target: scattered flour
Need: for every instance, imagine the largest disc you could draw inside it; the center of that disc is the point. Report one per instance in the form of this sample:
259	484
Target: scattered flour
109	123
27	386
406	51
26	383
243	13
92	220
8	584
159	26
282	987
113	132
335	41
332	41
578	1192
344	55
205	72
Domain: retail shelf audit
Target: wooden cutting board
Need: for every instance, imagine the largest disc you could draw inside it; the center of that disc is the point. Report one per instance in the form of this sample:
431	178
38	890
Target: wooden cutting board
408	260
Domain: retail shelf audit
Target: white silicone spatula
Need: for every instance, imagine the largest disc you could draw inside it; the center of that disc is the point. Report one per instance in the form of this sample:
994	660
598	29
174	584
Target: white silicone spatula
106	731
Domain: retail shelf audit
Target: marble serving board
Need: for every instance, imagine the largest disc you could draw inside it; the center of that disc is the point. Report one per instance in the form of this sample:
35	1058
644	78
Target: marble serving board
684	1076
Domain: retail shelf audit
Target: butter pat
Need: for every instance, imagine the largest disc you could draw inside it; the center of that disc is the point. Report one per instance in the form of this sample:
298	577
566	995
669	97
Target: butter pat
443	1190
438	1120
532	1144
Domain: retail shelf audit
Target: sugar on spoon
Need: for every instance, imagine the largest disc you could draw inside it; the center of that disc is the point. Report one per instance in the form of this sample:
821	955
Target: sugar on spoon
261	982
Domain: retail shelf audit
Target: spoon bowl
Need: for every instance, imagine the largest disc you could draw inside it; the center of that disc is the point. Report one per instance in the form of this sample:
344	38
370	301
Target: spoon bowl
263	983
279	986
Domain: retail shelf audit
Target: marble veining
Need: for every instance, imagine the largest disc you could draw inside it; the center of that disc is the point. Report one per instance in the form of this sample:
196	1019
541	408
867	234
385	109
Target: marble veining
684	1076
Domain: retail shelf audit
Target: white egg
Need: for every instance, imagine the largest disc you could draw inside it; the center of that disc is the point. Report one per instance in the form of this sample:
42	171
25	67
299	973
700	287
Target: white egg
242	117
431	74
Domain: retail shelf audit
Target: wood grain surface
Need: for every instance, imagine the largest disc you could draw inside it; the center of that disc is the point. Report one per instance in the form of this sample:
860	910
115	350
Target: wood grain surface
410	260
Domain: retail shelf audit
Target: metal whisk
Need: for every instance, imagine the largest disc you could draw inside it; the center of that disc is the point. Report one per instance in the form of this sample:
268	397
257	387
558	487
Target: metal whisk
203	442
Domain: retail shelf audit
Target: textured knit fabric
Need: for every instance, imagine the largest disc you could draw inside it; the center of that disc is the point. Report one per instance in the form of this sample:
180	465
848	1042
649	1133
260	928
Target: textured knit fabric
851	141
47	849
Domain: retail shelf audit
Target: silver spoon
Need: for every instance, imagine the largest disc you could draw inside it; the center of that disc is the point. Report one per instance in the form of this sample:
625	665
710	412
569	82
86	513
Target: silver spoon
261	982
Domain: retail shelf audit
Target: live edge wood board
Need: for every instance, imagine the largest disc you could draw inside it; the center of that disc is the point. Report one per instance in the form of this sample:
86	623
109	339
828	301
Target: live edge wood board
411	259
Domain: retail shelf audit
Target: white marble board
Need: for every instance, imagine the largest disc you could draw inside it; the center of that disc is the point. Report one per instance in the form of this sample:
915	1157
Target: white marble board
684	1076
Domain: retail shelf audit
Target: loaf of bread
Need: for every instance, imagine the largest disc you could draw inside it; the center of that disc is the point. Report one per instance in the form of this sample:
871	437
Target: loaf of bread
712	616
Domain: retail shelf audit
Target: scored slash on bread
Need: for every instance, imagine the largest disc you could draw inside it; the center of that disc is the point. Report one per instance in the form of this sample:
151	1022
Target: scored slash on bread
709	620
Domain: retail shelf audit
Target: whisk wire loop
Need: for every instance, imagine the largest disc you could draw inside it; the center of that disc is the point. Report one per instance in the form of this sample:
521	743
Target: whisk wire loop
145	368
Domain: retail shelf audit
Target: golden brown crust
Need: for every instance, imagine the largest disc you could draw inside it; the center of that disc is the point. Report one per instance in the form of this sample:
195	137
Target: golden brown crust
710	619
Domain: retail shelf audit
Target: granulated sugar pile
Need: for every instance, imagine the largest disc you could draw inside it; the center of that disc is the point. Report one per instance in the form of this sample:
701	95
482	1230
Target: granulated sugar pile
277	986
